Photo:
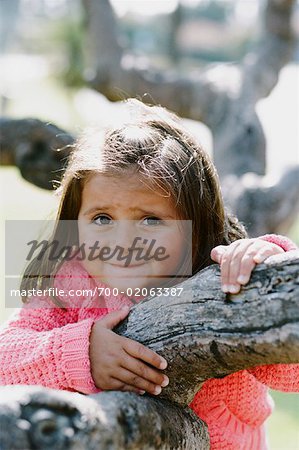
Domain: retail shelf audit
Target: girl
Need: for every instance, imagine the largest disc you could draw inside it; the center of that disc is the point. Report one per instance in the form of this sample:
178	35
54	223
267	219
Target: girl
145	176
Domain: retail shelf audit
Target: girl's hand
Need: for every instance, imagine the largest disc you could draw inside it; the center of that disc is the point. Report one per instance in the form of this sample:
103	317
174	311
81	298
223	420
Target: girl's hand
119	363
238	259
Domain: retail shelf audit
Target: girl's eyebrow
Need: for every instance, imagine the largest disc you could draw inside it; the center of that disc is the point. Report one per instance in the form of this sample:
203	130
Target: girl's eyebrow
133	209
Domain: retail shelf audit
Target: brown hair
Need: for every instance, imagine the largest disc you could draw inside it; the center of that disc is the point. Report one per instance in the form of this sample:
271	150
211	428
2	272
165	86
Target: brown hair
153	142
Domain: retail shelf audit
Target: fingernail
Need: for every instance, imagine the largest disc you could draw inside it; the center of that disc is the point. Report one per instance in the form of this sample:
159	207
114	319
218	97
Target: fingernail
125	308
141	392
258	259
242	279
225	288
165	382
233	289
163	364
157	390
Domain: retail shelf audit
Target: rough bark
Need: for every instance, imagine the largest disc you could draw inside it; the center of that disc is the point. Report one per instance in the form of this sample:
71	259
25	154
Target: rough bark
39	418
202	333
37	148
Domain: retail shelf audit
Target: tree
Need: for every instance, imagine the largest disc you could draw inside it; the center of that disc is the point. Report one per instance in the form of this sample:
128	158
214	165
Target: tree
203	335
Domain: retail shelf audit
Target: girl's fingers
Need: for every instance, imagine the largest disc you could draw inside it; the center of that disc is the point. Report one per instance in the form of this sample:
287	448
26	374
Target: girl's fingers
131	379
139	351
241	251
217	253
113	318
247	264
138	368
118	385
265	252
238	259
257	253
227	263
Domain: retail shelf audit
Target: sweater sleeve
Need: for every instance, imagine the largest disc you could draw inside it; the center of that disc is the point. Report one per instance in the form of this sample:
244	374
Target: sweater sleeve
285	243
47	346
283	377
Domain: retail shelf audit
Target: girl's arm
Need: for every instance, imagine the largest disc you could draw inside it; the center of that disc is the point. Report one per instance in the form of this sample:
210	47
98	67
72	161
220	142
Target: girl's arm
282	377
47	346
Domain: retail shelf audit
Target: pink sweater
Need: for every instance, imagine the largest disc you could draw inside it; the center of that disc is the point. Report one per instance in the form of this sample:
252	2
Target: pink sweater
48	346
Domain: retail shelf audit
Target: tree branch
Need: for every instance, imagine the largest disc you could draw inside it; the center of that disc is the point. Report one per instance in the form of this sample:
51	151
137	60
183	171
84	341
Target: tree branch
275	205
38	149
205	334
40	418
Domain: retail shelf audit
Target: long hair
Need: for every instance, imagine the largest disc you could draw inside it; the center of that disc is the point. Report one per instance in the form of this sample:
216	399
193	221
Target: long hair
153	142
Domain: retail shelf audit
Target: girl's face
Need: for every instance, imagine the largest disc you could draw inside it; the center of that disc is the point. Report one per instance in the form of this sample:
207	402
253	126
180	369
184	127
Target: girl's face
130	232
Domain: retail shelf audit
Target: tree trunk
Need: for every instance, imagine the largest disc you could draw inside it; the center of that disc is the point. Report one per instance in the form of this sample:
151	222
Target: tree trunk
202	333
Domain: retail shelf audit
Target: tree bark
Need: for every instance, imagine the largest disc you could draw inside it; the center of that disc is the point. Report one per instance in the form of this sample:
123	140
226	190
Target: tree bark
202	333
38	149
40	418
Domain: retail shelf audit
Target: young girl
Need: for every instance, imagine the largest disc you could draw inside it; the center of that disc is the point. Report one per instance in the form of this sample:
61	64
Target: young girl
145	176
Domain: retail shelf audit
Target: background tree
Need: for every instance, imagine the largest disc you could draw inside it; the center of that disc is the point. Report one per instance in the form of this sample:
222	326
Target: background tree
223	97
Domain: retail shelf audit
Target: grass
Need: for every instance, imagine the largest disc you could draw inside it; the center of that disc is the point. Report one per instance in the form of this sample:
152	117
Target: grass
24	201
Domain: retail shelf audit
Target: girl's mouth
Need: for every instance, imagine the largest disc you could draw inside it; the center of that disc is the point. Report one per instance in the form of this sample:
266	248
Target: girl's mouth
131	266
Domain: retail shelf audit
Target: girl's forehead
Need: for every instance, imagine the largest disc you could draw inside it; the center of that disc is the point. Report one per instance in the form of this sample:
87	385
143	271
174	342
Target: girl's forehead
103	184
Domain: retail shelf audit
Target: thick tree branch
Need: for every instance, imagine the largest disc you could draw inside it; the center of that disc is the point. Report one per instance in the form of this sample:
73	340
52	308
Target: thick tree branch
202	333
40	418
275	205
38	149
261	67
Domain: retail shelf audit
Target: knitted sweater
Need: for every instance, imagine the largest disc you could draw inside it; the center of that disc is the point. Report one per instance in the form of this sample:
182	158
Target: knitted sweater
42	344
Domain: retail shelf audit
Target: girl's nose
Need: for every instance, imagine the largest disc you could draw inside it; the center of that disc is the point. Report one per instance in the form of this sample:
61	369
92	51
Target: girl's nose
125	233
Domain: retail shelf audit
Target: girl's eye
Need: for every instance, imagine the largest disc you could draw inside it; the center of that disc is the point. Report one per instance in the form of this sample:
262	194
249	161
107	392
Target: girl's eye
102	220
153	221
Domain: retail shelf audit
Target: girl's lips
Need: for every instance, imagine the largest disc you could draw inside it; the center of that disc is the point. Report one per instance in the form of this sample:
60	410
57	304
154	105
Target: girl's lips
122	266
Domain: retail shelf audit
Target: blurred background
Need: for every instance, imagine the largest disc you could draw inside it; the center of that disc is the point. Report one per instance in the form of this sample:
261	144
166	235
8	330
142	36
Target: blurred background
44	52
